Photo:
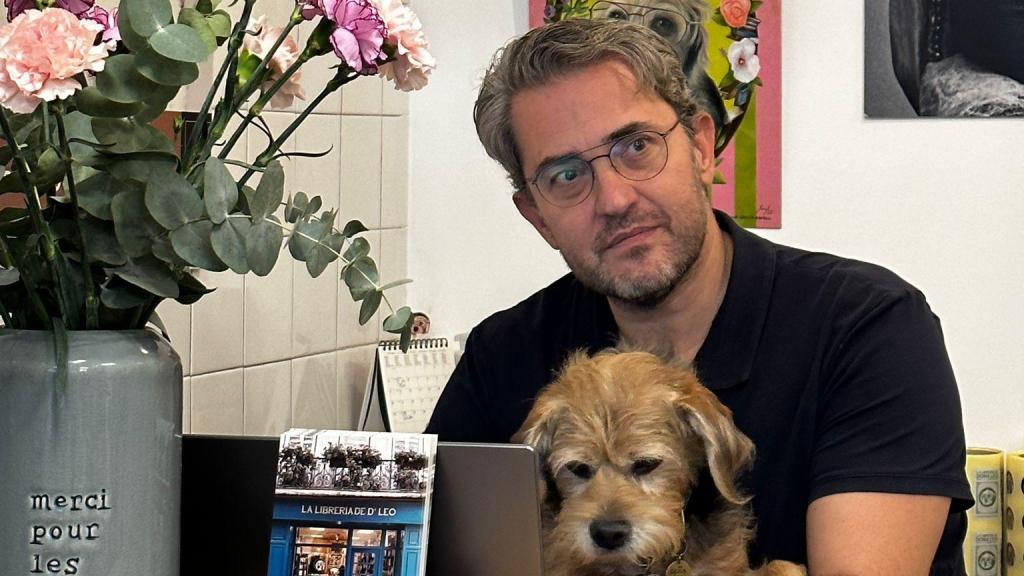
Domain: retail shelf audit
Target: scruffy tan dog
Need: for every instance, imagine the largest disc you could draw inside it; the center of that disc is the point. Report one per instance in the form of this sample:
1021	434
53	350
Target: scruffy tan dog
640	462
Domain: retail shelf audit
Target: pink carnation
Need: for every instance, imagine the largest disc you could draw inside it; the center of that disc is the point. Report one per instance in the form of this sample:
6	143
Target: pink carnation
16	7
358	34
259	44
106	19
42	52
735	12
413	63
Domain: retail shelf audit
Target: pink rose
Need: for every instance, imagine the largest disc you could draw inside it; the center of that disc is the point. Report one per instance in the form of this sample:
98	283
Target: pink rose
413	63
42	52
735	12
259	44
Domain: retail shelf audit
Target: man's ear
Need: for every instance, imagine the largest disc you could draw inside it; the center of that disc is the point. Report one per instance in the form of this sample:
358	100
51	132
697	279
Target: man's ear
704	146
527	206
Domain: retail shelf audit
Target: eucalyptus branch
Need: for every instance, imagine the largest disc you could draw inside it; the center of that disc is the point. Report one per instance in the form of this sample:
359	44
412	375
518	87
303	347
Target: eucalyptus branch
26	279
228	68
342	77
256	78
92	303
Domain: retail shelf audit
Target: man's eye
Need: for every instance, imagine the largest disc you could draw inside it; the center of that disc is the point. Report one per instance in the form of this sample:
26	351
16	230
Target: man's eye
580	470
637	144
564	176
644	466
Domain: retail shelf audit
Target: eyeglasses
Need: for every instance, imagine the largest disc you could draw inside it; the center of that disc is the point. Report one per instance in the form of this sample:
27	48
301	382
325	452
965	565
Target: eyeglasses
669	24
567	182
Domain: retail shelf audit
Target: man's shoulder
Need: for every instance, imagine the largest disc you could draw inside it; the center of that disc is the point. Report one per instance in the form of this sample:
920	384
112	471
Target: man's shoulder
549	306
839	276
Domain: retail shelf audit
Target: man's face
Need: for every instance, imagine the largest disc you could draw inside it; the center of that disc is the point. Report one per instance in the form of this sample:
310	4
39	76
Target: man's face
630	240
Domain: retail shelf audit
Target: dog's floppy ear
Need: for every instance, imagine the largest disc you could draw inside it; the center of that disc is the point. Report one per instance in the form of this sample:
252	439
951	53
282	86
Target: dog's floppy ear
538	431
728	450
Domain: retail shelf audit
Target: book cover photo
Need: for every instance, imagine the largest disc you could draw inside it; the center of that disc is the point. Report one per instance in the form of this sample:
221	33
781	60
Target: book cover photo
351	503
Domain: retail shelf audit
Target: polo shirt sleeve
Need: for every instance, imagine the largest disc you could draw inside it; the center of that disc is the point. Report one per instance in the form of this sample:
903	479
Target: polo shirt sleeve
460	413
889	417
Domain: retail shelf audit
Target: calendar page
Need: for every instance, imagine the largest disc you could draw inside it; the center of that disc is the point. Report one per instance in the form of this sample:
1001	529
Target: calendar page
404	386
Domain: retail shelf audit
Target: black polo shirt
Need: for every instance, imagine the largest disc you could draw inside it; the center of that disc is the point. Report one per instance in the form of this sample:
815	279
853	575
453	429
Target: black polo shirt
835	369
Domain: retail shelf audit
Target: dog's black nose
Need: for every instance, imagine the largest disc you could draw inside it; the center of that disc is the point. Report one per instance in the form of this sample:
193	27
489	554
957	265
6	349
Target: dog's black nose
610	534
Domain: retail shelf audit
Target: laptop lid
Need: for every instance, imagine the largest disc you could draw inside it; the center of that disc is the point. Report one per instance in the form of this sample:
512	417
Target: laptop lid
485	517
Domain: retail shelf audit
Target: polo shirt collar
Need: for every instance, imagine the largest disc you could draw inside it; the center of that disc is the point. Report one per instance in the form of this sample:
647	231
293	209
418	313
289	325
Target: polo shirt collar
727	356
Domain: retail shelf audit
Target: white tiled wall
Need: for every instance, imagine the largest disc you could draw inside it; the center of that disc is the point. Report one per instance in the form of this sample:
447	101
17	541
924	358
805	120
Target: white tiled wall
265	354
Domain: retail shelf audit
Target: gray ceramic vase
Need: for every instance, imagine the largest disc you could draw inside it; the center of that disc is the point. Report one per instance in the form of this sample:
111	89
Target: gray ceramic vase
90	479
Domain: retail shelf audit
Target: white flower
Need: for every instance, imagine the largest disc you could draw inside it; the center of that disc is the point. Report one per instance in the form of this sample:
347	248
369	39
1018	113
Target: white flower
744	61
413	62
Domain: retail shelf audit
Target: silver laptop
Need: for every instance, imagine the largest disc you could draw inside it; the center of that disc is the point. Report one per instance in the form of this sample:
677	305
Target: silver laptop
485	518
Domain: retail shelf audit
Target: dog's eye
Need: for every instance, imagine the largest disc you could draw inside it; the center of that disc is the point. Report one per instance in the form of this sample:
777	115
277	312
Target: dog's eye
645	466
580	469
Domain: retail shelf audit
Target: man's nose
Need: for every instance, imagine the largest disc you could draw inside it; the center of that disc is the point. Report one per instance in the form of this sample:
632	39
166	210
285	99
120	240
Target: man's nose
613	193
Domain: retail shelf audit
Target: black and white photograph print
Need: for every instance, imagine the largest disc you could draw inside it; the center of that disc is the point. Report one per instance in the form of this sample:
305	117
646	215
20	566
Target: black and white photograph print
944	58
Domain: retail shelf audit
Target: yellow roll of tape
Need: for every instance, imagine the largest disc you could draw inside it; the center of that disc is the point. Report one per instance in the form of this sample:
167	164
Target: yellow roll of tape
983	547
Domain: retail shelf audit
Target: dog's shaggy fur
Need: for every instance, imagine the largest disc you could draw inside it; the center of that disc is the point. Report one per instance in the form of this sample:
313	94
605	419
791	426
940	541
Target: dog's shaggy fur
640	462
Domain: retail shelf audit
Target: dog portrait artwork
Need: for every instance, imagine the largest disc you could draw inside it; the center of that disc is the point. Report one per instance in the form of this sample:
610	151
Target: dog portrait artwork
640	463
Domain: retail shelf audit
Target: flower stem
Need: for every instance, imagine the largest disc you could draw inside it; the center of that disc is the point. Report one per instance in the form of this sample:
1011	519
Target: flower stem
30	285
257	108
92	303
256	79
342	77
229	70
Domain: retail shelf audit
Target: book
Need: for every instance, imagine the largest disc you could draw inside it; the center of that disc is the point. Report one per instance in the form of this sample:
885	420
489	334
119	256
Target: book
352	503
403	387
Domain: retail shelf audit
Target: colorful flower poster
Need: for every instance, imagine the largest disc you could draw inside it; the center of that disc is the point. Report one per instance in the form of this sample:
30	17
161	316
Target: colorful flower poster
731	51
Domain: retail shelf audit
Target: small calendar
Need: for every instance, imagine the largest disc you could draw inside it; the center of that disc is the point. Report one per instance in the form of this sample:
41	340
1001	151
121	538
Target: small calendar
404	386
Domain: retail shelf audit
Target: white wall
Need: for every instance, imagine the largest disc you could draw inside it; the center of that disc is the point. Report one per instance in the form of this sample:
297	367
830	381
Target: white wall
937	201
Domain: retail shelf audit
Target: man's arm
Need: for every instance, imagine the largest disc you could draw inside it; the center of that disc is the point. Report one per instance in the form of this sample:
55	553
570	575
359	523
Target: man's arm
874	534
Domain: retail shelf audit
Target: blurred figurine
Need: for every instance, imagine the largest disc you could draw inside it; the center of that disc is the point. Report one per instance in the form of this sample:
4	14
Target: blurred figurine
420	324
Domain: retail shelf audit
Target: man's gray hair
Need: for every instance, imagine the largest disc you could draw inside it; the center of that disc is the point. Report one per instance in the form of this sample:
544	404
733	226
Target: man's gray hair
553	51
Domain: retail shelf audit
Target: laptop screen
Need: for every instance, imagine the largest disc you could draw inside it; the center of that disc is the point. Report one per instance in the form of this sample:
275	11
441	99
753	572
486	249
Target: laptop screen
485	516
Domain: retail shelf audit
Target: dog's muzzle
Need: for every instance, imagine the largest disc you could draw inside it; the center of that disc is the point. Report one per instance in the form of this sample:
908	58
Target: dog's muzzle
610	534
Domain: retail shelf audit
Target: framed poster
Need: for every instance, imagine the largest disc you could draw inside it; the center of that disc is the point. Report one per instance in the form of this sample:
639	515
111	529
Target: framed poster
731	52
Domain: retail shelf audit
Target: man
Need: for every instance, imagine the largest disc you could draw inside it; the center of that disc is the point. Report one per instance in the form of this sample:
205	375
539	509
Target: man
835	369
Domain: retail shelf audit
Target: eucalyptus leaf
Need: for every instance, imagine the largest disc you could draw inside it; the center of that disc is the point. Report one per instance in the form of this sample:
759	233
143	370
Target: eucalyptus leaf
220	192
323	254
220	23
269	192
369	307
192	242
396	322
49	169
143	166
262	246
190	290
121	81
229	243
314	204
304	237
173	202
198	22
164	250
101	241
129	209
361	277
165	71
295	207
91	101
146	17
121	295
128	136
129	37
359	248
179	42
149	274
352	228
